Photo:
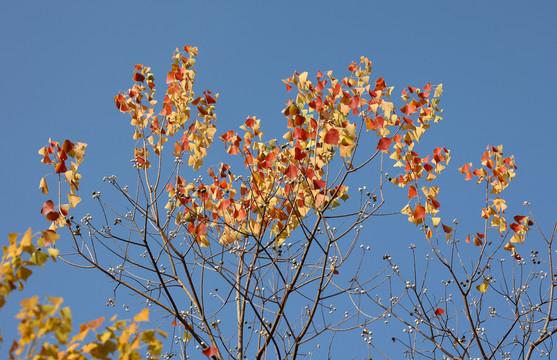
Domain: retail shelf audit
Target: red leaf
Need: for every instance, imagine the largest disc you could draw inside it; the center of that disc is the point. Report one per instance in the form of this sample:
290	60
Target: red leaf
516	227
447	229
201	229
300	134
288	87
61	167
519	218
210	351
319	184
299	154
67	146
355	102
52	216
174	323
380	84
250	122
48	207
427	87
419	212
468	239
439	311
384	144
332	137
291	172
138	77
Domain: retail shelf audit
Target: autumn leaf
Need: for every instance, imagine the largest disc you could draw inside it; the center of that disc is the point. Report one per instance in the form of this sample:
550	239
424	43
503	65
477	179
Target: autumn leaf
47	208
319	184
439	311
483	286
142	316
412	192
447	229
384	144
419	212
332	137
438	91
210	351
60	168
291	171
73	200
49	237
43	186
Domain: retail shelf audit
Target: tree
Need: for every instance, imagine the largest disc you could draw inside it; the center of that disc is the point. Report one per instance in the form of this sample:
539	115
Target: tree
263	262
45	327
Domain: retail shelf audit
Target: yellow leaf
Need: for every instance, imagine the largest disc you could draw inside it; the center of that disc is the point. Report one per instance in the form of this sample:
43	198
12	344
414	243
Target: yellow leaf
105	337
142	316
26	239
43	186
303	78
53	253
83	330
517	238
438	91
49	236
483	286
509	247
74	200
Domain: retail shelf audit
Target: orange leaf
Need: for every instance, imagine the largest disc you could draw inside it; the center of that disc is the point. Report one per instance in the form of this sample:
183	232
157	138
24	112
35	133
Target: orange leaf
380	84
61	167
408	109
447	229
210	351
93	324
138	77
412	192
419	212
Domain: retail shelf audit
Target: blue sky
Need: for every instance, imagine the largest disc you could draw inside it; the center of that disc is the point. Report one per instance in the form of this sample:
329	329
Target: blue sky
64	61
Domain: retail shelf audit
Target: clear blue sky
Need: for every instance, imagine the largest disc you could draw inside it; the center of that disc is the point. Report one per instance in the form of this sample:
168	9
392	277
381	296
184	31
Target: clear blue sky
63	62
